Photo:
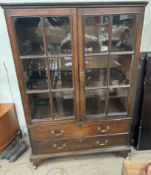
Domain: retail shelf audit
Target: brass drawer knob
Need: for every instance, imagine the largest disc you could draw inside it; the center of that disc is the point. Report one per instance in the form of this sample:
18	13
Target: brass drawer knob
59	147
103	130
102	143
56	132
54	145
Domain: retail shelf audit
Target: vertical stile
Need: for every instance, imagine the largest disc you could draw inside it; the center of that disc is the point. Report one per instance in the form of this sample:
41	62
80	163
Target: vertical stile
47	67
74	42
109	61
81	64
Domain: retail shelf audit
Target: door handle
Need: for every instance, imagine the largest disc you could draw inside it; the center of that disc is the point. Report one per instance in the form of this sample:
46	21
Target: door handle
82	74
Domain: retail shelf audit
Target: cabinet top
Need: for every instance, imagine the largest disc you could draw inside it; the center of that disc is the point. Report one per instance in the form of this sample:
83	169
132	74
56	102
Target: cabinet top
73	4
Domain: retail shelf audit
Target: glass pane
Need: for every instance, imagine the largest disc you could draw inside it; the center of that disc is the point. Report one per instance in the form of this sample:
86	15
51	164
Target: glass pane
39	105
120	67
63	104
118	101
58	35
29	35
95	101
123	32
96	70
61	72
96	33
35	74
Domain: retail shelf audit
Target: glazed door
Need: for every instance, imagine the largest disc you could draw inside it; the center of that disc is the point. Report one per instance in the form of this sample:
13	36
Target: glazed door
45	41
106	56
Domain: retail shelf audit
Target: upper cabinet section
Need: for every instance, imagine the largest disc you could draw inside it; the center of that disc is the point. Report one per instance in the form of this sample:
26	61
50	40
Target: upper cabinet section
76	61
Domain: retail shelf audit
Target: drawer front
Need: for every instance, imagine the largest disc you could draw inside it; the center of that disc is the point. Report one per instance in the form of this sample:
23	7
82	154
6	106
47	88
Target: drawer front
75	144
79	129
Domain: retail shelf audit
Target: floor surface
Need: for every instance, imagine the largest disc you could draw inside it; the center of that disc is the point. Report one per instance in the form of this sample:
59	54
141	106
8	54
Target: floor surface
101	164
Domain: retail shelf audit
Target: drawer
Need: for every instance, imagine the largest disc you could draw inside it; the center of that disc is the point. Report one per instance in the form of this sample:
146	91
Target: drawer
79	129
75	144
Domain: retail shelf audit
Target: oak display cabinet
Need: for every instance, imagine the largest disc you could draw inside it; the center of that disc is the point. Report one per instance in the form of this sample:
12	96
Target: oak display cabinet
76	66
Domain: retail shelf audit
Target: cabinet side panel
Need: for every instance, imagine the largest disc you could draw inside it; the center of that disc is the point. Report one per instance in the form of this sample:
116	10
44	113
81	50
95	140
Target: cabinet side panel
135	62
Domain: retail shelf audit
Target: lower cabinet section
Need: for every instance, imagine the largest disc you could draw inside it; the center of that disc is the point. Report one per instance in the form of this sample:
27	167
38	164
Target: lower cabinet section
74	144
81	136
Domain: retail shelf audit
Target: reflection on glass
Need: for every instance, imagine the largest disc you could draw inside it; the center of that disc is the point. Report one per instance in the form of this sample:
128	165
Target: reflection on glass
39	105
96	70
63	104
123	32
120	67
96	33
61	72
58	35
118	101
29	35
35	74
95	101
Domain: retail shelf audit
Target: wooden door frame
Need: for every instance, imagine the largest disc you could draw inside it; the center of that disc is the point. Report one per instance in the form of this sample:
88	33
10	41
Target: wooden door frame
139	11
9	14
